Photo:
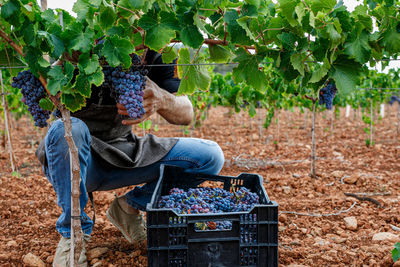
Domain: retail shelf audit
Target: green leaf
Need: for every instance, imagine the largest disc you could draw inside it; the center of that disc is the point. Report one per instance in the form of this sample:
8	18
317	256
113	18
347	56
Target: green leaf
322	5
82	85
55	81
29	34
89	65
288	40
391	40
346	74
117	51
57	46
73	102
359	48
192	76
97	78
219	54
46	104
9	9
85	9
248	70
300	12
168	55
237	34
144	5
298	62
319	72
245	22
58	78
107	17
288	9
160	29
333	35
77	38
43	63
396	252
191	36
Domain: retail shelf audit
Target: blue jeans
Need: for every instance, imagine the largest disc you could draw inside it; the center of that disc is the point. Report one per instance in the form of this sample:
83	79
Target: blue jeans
195	155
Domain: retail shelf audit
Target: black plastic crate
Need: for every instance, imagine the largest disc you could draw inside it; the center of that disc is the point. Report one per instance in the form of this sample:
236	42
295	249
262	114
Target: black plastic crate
174	241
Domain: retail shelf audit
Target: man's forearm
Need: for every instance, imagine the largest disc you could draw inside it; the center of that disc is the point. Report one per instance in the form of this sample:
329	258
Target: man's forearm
176	109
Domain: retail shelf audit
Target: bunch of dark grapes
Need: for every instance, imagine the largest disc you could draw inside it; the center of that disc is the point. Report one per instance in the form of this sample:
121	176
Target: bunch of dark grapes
127	87
393	99
209	200
32	91
327	94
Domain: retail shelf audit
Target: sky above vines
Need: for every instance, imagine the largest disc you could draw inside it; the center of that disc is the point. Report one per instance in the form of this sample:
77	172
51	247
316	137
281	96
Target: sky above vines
351	4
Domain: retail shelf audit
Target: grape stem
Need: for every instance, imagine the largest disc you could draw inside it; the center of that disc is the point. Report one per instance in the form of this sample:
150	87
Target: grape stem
12	43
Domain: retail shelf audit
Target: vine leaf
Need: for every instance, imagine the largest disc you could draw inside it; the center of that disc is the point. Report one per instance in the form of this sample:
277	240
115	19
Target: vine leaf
89	65
396	252
319	72
248	70
236	33
107	17
192	76
346	73
82	85
77	38
160	29
219	54
46	104
288	7
298	62
9	8
73	102
322	5
58	78
117	51
359	48
391	40
168	55
189	33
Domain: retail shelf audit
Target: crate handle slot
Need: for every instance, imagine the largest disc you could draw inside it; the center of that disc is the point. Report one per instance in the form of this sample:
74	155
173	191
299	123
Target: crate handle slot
213	226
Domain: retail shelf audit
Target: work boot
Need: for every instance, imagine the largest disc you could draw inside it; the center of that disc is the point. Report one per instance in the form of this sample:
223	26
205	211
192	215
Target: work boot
61	259
132	226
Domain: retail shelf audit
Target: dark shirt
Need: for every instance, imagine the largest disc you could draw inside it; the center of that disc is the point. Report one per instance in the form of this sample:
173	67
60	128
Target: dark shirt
115	143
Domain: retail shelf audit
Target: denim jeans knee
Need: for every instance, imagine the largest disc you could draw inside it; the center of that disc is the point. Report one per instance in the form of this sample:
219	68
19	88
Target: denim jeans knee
56	133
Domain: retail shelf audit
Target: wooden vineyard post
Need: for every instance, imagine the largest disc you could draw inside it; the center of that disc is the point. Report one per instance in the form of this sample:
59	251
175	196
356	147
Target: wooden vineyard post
313	147
371	125
76	231
7	129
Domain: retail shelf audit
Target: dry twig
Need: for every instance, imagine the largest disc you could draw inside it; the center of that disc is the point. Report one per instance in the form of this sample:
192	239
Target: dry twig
319	215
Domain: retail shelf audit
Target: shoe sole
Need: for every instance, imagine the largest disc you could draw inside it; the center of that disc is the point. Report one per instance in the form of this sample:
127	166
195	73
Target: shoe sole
114	222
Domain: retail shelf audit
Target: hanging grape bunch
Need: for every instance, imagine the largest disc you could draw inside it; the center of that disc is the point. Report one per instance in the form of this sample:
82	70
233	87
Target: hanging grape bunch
327	94
127	86
32	91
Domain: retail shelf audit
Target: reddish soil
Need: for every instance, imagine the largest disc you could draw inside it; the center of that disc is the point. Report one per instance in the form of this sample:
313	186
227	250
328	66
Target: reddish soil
345	164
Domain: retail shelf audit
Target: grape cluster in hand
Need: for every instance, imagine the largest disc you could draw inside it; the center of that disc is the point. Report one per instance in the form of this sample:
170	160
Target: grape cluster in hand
32	91
326	95
127	88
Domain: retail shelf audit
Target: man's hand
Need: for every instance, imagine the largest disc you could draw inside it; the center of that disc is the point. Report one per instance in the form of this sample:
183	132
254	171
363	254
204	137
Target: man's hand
175	109
152	102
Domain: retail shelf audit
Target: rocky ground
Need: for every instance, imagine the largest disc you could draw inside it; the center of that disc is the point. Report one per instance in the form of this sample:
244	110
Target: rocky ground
319	225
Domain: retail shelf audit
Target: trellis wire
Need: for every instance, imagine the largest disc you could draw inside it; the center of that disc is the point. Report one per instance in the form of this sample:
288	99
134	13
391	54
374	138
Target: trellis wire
193	64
